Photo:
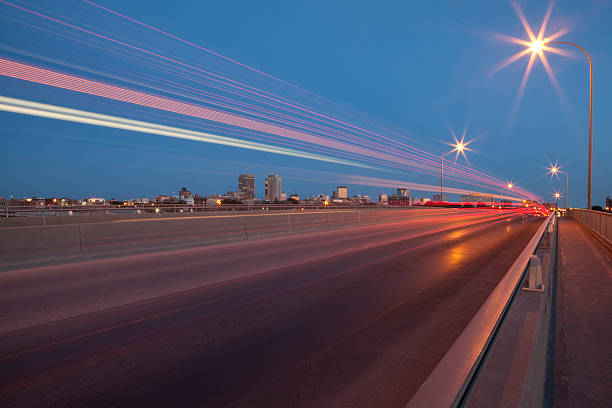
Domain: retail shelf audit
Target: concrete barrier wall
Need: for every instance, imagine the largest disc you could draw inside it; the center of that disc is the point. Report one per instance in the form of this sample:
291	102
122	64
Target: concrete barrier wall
121	235
597	221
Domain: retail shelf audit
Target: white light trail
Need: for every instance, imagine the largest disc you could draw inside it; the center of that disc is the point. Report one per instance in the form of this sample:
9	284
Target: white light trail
25	107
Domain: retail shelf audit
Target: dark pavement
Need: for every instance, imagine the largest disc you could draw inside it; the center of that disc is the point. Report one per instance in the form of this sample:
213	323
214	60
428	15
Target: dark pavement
583	332
356	317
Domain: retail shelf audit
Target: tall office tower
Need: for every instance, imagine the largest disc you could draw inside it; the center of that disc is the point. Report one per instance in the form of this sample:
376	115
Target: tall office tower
274	188
184	193
246	186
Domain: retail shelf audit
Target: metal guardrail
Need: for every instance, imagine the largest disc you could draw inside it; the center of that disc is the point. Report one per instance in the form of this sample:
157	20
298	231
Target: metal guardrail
447	384
599	222
75	210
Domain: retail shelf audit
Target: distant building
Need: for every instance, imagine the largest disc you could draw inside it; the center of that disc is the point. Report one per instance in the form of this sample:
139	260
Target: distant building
383	198
294	197
341	193
184	194
438	197
399	200
232	197
163	198
246	186
476	198
95	201
274	188
361	198
139	200
608	203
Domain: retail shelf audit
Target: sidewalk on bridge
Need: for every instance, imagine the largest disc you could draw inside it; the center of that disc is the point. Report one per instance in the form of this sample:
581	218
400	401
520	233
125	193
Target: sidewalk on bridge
583	326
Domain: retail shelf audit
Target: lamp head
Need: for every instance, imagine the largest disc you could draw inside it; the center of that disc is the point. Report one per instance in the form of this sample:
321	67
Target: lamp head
536	46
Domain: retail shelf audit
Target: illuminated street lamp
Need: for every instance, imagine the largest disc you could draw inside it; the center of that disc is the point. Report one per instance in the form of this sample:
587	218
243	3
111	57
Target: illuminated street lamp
557	195
554	170
458	147
538	46
509	187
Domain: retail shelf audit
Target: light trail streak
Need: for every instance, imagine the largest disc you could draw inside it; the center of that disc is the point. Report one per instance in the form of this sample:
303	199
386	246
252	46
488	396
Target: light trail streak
355	179
46	77
199	47
226	58
25	72
428	158
56	79
378	182
296	121
78	116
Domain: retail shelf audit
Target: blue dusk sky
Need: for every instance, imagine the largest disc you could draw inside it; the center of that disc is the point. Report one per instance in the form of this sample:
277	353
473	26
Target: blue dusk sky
407	71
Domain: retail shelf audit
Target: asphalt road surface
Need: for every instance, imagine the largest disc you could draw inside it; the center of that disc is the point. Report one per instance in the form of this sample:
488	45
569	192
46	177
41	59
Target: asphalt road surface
356	317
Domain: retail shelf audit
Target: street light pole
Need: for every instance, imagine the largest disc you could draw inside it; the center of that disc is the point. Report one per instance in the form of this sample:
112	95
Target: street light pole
566	189
442	173
590	116
459	147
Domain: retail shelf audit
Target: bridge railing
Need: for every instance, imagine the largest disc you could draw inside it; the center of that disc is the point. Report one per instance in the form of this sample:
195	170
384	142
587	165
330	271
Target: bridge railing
450	382
599	222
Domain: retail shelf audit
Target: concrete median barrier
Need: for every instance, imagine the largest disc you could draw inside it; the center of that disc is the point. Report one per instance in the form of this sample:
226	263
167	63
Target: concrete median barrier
60	238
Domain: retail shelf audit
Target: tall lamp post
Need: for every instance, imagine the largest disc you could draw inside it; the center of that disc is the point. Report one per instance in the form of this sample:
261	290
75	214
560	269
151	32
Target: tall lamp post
459	147
538	46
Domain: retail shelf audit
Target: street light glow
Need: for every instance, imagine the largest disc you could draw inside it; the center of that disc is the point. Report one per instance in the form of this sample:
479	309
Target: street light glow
510	185
536	46
460	147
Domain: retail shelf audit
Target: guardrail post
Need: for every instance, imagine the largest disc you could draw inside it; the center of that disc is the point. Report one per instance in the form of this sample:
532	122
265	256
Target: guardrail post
534	279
